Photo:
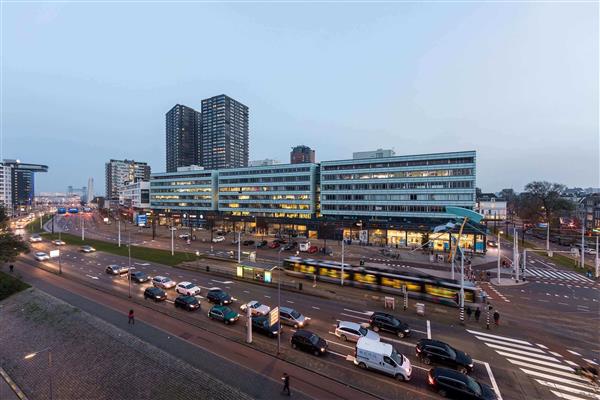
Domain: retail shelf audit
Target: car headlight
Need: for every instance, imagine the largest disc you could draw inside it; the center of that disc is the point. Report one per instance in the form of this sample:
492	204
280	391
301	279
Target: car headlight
300	324
406	330
471	365
232	319
322	349
158	297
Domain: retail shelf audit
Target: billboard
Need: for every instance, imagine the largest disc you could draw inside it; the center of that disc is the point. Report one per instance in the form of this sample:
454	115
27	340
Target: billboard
141	219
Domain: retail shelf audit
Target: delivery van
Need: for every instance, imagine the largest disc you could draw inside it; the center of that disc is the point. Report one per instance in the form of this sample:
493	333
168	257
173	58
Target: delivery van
382	357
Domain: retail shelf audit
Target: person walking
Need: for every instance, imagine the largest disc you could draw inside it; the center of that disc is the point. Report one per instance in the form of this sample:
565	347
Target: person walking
11	268
286	384
496	318
131	318
469	312
477	314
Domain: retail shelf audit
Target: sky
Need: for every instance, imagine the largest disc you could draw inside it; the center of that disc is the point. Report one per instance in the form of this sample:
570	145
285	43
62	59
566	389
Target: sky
517	82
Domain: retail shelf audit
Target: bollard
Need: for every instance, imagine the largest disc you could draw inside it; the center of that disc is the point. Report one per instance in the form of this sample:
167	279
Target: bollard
487	318
207	268
462	315
299	285
405	290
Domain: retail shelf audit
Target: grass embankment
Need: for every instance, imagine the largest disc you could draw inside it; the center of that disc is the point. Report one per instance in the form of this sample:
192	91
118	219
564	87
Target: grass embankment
557	258
34	226
10	285
140	253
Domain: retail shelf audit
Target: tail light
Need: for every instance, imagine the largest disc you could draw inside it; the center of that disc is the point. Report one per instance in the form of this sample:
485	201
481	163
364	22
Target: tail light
430	379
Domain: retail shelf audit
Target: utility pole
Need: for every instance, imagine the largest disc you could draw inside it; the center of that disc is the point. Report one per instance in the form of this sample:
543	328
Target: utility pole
342	277
583	243
462	286
548	236
597	260
239	247
499	257
82	229
119	225
517	270
129	257
172	242
249	325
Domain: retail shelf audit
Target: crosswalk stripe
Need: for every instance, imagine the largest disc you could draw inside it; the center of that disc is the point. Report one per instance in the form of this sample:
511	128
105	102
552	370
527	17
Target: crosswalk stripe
527	353
539	367
498	337
567	389
547	363
571	363
517	346
558	379
567	396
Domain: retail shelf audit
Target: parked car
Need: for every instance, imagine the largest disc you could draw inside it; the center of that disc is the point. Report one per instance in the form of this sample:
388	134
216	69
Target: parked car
256	308
41	256
351	331
218	296
155	294
261	243
116	269
289	316
187	288
312	249
304	246
248	242
387	322
274	244
260	324
453	384
87	249
380	356
189	303
58	242
35	238
163	282
218	239
290	246
309	341
223	313
432	351
184	236
139	277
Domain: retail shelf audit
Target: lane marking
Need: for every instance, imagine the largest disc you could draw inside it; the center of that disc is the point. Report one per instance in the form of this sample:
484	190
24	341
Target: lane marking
493	380
573	352
576	381
567	396
567	389
571	363
527	353
428	329
555	354
541	345
354	316
550	370
498	337
590	361
316	308
516	346
359	312
548	363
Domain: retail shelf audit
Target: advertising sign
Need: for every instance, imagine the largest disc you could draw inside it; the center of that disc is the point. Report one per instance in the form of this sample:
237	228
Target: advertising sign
274	316
141	220
54	253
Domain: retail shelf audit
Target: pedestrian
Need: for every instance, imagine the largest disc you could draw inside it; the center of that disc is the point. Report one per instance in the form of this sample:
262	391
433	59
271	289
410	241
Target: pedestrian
131	319
496	318
469	312
286	384
477	314
11	268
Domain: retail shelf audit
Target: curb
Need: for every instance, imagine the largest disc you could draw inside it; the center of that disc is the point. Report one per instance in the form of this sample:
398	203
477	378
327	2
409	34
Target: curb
13	385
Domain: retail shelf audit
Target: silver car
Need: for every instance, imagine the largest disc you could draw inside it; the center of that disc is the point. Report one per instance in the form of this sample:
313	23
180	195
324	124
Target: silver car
289	316
163	282
351	331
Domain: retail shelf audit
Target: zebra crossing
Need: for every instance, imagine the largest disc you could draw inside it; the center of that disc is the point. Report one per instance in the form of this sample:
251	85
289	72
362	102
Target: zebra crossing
546	368
561	275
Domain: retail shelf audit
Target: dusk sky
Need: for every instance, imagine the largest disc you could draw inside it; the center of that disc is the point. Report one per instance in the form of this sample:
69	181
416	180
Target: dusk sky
83	83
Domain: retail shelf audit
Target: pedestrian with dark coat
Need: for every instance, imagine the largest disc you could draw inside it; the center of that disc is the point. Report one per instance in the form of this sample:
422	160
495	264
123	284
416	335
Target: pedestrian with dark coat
477	314
286	384
11	268
131	318
469	312
496	318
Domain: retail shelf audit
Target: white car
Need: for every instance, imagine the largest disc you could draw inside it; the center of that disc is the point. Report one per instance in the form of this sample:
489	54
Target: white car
218	239
256	308
187	288
116	270
184	236
351	331
41	256
87	249
35	238
58	242
163	282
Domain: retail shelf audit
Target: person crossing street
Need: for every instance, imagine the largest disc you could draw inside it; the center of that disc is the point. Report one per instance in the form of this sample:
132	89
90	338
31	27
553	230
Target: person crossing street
286	384
477	314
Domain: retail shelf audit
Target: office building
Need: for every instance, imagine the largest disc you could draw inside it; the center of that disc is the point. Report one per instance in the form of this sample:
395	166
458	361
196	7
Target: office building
225	132
379	153
262	163
183	136
6	189
23	182
120	172
135	195
302	154
90	190
492	207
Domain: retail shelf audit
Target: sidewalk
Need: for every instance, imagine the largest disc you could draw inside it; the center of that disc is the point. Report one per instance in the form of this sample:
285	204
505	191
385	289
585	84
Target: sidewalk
8	391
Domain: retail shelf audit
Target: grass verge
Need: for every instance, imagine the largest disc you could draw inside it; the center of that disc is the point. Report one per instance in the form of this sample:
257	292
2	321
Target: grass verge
557	258
140	253
34	226
10	285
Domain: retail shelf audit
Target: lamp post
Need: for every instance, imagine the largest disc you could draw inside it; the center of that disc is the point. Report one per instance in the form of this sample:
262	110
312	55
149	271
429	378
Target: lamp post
342	277
172	241
278	305
239	252
119	227
82	229
499	255
129	261
49	350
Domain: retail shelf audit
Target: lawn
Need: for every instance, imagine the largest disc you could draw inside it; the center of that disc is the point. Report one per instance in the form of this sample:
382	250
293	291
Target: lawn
557	258
140	253
34	226
10	285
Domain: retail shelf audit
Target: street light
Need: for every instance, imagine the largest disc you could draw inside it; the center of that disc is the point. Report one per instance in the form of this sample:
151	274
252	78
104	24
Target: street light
278	305
499	255
49	350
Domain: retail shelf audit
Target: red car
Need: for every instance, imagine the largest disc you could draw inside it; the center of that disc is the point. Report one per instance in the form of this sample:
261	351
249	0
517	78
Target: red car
312	249
274	245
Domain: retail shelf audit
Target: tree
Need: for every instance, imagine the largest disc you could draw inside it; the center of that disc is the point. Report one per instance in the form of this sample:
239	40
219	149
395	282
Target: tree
11	245
542	202
511	200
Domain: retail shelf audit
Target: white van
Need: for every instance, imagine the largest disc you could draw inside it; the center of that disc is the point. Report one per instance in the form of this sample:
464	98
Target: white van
304	246
373	354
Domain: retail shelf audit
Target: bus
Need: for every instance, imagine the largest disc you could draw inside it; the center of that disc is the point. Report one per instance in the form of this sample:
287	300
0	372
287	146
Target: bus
425	287
61	210
73	210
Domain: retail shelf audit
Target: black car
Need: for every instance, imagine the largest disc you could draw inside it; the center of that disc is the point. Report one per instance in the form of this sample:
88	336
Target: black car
139	277
387	322
218	296
434	351
261	243
248	242
189	303
261	325
453	384
309	341
154	293
290	246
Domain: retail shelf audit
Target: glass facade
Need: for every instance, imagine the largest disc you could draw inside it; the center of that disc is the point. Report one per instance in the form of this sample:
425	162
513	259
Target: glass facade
184	190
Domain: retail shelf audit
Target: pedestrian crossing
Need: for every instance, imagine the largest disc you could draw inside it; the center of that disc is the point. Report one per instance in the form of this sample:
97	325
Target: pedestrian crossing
548	369
561	275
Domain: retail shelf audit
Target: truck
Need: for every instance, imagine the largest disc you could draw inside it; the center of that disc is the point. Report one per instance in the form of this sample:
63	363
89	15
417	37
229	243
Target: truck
382	357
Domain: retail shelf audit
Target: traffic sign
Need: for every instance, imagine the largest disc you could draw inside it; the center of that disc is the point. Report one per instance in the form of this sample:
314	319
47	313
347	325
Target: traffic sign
54	253
274	316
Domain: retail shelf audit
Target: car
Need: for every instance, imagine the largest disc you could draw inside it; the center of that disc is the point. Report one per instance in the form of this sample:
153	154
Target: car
309	341
187	288
35	238
189	303
260	324
218	296
431	351
223	313
139	277
58	242
154	293
218	239
312	249
274	244
248	242
382	357
41	256
450	383
116	269
387	322
261	243
184	236
163	282
256	308
492	243
351	331
87	249
289	316
290	246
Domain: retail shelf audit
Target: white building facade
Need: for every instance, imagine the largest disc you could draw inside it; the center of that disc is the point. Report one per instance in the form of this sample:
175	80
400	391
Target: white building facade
6	188
135	195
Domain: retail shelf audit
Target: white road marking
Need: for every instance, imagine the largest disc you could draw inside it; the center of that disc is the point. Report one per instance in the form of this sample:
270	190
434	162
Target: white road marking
541	345
571	363
526	353
337	354
268	297
547	363
573	352
590	361
428	329
555	354
517	346
354	316
567	389
289	301
246	291
316	308
573	381
359	312
493	381
567	396
550	370
498	337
